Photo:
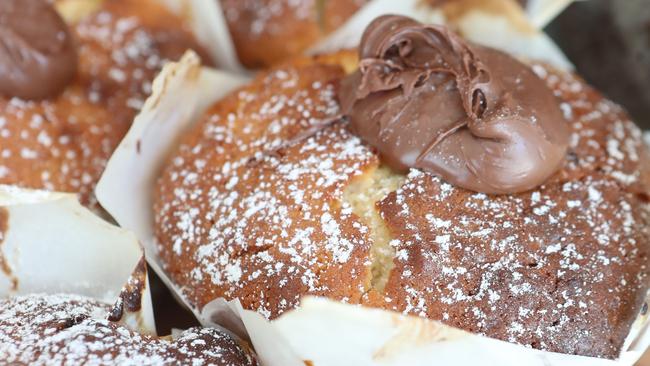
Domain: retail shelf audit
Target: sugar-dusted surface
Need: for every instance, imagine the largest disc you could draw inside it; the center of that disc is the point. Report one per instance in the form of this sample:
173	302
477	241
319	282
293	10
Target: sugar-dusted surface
264	221
268	31
70	329
562	268
63	144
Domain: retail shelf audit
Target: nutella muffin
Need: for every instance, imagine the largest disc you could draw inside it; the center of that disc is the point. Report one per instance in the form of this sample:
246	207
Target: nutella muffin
69	91
433	177
266	32
69	329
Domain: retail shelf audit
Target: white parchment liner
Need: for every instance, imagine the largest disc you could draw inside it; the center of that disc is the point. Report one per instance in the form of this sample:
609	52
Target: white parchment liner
209	25
54	245
322	331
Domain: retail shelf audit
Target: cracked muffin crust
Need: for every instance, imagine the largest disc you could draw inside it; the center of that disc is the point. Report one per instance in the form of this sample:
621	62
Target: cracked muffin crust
270	198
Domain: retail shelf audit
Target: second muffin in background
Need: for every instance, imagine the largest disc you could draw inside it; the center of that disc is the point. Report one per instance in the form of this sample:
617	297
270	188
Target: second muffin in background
266	32
62	142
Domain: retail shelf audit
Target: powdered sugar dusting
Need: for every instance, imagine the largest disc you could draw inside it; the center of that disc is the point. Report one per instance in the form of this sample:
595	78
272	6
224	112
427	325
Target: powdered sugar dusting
562	268
539	268
262	217
64	143
265	17
264	14
69	329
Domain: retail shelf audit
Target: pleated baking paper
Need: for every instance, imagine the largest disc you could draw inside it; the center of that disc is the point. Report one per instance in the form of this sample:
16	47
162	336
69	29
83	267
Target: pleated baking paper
209	25
51	244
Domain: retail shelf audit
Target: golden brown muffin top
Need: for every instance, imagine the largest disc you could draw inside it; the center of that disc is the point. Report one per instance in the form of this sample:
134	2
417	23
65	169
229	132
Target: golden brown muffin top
250	208
256	202
562	268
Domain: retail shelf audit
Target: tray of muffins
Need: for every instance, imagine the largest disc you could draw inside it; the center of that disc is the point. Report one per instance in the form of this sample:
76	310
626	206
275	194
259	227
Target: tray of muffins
313	182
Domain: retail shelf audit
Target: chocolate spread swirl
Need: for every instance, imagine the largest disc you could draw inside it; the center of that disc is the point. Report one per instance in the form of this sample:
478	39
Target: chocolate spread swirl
478	118
37	54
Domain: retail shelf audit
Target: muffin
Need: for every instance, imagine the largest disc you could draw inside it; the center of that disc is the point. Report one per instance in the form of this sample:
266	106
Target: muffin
59	138
275	194
266	32
69	329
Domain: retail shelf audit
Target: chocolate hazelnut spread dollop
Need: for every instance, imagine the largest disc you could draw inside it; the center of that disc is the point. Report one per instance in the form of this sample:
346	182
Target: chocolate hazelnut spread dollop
37	54
478	118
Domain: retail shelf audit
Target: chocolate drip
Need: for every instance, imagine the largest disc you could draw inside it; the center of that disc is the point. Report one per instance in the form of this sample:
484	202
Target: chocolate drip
37	54
131	295
427	99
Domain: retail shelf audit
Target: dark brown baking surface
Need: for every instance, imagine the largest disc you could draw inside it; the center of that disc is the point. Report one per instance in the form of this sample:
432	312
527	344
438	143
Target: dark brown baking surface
609	42
168	312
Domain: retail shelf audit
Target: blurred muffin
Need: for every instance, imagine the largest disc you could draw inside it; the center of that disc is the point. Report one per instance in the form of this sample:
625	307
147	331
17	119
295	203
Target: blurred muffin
266	32
271	198
68	329
62	142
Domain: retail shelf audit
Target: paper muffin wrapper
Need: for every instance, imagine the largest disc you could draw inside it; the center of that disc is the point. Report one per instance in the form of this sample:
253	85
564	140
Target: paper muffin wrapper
51	244
209	25
321	331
